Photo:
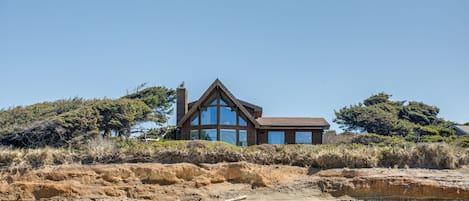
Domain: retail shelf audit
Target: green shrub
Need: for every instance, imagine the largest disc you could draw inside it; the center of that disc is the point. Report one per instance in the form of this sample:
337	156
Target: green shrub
412	138
426	130
436	138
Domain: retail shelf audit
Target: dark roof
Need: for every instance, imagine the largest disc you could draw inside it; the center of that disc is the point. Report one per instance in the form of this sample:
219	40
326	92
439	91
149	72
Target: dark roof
463	129
292	121
248	104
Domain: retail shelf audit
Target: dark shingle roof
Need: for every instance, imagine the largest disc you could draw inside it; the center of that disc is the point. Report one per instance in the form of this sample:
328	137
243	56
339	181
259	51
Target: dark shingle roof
248	104
292	121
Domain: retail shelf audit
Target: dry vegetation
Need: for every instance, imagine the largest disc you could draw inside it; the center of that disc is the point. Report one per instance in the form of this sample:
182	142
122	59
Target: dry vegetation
391	153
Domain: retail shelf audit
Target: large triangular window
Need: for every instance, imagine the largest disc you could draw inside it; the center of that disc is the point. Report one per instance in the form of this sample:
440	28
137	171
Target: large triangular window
209	115
242	121
227	116
222	102
225	101
219	119
212	101
195	120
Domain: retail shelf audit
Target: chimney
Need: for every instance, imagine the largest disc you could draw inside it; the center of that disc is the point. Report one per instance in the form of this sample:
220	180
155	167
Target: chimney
181	102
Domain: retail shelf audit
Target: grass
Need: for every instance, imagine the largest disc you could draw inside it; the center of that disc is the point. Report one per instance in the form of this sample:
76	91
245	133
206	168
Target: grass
393	153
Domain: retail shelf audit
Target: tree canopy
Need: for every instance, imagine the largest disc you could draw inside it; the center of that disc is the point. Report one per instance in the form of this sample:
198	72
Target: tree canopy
378	114
70	121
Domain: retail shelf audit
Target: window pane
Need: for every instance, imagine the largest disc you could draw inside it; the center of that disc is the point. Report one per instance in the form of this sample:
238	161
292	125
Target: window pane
195	119
243	138
225	101
242	121
194	134
209	115
302	137
209	134
227	116
228	135
222	102
211	101
276	137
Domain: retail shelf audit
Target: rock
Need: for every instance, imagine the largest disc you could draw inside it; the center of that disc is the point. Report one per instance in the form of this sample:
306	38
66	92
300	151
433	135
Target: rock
395	184
136	181
184	181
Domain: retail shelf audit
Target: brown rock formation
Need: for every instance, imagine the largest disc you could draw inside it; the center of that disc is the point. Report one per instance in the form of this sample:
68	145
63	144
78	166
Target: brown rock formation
219	181
134	181
396	183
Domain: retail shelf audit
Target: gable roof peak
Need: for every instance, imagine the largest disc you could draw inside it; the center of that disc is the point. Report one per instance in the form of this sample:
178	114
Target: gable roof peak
217	81
218	84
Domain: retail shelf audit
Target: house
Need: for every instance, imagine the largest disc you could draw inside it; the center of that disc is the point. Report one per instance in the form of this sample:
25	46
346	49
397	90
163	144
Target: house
461	130
219	116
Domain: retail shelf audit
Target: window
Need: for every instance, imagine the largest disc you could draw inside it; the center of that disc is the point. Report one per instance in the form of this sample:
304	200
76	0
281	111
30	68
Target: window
223	101
243	138
209	115
227	116
211	101
303	137
218	119
276	137
242	121
194	134
228	135
209	134
195	120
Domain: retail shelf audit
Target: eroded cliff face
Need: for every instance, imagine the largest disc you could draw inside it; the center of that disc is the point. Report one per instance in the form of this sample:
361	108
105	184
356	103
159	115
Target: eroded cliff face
184	181
396	184
137	181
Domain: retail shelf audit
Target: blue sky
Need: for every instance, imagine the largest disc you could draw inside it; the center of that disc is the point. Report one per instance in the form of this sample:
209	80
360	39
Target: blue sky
294	58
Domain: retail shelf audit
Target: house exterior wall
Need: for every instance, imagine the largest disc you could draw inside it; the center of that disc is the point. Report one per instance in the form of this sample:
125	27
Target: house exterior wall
260	136
317	136
290	135
252	134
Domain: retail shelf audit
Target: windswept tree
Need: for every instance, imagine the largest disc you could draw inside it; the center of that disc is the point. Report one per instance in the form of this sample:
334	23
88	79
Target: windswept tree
378	114
73	121
159	99
120	115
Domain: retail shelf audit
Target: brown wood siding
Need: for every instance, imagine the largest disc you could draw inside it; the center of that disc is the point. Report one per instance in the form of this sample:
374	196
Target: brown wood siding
317	136
262	137
289	136
252	135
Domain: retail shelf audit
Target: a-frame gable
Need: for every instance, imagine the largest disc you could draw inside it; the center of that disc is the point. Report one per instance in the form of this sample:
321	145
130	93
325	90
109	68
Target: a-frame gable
217	84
